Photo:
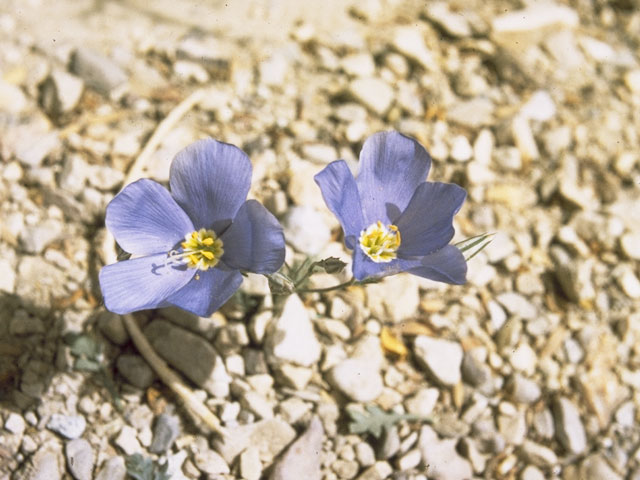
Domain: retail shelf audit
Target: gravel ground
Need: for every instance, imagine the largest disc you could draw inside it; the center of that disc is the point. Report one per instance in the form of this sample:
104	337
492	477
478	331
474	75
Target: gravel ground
529	371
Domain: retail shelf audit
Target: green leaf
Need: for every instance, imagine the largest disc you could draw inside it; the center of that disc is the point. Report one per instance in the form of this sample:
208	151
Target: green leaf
375	420
480	241
87	365
84	346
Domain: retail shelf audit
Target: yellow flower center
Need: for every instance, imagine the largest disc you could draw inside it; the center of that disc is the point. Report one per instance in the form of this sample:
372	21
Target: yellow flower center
201	249
380	243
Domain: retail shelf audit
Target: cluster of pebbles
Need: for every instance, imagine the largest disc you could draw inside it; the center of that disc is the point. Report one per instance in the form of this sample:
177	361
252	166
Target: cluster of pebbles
530	371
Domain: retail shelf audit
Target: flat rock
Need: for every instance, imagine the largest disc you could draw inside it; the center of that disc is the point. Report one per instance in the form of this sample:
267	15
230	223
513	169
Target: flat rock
135	370
358	379
98	71
291	337
409	41
306	230
165	432
112	469
302	459
474	113
442	358
69	426
533	22
595	467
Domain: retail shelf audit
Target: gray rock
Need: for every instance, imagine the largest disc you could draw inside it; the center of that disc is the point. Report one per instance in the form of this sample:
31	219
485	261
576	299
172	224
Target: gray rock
250	465
210	462
40	145
99	72
569	428
104	177
14	424
291	337
442	358
60	93
423	402
306	230
518	305
441	458
302	459
409	41
473	371
270	437
112	326
135	370
543	423
69	426
127	440
358	379
74	174
165	432
80	458
185	351
112	469
373	93
38	282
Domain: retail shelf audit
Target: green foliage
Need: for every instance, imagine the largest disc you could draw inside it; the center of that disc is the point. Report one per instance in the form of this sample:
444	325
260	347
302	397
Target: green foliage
142	468
374	420
479	241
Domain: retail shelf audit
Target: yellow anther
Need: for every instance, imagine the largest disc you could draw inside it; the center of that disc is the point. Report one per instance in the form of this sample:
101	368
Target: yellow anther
380	243
202	249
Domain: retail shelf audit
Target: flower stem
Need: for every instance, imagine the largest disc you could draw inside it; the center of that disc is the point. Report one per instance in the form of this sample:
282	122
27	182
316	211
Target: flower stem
169	377
328	289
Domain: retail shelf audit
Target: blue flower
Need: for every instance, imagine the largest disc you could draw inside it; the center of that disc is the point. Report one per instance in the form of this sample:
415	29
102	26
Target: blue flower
190	245
393	220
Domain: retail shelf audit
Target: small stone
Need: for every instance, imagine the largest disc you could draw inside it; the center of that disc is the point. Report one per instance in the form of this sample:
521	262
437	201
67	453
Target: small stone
111	325
569	428
127	440
442	358
378	471
257	404
273	70
320	153
595	467
112	469
60	93
533	20
400	306
46	464
80	459
409	41
373	93
99	72
165	432
455	24
513	426
14	424
358	379
410	460
105	178
516	304
345	469
12	98
508	158
524	139
135	370
524	390
543	423
474	113
365	454
69	426
306	230
291	337
389	443
625	414
250	465
632	80
531	472
629	283
539	107
40	145
440	457
210	462
34	239
461	150
538	454
359	65
523	358
423	402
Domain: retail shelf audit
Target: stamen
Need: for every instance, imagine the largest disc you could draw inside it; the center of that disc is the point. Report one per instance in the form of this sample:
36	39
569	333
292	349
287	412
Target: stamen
380	243
202	249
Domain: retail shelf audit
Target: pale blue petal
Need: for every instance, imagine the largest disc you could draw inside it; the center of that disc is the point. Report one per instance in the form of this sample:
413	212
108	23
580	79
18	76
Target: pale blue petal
445	265
426	224
391	168
207	291
363	267
254	242
141	283
340	193
210	181
145	219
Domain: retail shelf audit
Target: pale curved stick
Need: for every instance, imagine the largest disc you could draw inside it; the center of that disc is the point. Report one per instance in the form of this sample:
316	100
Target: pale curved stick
170	378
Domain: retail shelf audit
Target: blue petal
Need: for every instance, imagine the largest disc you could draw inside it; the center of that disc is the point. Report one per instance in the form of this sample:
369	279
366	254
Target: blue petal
391	168
210	181
207	291
145	219
445	265
254	242
340	193
426	224
363	267
141	283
